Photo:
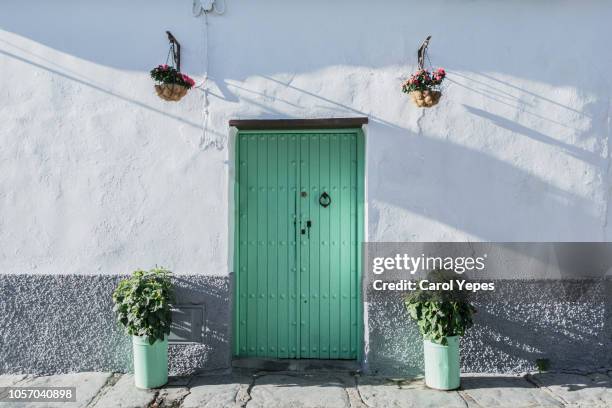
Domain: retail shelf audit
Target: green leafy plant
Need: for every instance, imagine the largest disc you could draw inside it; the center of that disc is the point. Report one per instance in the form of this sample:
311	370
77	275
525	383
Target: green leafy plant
165	74
424	80
142	303
438	313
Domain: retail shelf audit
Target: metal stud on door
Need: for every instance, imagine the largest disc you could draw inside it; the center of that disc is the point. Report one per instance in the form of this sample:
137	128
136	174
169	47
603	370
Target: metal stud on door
297	250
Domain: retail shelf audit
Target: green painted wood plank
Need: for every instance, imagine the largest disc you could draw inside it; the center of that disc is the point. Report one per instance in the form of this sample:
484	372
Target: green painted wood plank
360	237
251	268
283	225
344	244
313	237
353	247
262	255
304	261
272	245
324	247
294	282
335	266
241	266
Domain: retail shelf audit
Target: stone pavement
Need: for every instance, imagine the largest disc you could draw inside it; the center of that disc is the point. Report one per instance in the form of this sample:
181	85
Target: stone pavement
253	389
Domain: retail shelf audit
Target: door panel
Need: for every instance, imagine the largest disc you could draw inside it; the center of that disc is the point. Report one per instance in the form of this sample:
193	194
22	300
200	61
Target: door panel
297	277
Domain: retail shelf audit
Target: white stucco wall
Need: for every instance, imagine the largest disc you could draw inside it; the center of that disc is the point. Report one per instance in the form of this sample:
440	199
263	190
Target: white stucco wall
97	175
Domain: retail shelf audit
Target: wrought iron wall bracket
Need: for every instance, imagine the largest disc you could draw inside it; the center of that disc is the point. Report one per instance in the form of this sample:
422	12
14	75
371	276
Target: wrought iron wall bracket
422	52
175	49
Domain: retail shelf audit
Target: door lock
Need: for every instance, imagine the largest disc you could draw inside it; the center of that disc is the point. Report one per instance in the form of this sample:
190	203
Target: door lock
307	229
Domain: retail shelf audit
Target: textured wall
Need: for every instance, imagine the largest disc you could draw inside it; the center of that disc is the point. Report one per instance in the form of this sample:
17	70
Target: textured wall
63	323
551	301
98	176
55	324
523	321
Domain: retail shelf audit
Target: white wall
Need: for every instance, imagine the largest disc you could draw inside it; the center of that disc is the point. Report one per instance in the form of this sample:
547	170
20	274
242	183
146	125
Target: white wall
97	175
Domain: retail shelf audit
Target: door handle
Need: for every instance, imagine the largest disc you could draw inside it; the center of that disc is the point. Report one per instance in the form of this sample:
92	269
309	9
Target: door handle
325	200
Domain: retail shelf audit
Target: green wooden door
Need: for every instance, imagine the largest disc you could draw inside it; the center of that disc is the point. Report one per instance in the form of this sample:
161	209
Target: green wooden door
297	253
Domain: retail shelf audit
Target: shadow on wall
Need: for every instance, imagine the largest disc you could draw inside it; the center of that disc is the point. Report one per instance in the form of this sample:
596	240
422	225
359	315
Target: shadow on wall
232	44
551	302
395	345
465	189
90	83
522	322
412	174
439	170
65	323
215	351
462	179
529	320
584	155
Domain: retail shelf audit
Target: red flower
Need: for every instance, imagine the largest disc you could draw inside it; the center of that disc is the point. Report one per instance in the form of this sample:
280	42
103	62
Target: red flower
188	80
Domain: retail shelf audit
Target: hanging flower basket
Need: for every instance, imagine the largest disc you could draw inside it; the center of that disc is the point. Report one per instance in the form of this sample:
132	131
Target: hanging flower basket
425	99
171	85
424	87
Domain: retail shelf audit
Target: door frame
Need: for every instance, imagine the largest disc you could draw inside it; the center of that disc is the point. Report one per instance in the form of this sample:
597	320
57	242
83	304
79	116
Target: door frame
233	225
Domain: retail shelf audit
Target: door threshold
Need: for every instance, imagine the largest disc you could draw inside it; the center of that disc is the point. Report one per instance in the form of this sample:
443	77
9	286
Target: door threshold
271	364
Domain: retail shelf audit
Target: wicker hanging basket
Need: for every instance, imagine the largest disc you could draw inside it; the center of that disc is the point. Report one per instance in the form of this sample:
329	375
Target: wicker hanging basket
423	78
425	99
171	92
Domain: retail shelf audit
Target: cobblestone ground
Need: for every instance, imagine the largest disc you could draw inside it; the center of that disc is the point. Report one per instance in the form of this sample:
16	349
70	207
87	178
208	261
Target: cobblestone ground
324	389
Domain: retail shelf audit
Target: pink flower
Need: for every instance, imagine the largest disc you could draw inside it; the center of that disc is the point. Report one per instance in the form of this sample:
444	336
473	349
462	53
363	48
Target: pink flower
188	80
164	67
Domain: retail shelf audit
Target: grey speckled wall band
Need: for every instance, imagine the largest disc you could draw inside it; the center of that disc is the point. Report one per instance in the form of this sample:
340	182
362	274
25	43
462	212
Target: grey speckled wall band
523	321
54	324
64	323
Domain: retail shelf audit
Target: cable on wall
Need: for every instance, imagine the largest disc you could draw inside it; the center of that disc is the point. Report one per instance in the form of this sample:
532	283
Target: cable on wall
206	6
201	9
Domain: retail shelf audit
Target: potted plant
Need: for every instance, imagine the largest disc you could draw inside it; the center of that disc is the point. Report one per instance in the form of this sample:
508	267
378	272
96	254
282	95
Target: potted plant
171	84
424	87
142	305
442	317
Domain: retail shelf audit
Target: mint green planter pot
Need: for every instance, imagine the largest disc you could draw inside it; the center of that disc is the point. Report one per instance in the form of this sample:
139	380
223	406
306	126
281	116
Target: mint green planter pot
150	362
442	364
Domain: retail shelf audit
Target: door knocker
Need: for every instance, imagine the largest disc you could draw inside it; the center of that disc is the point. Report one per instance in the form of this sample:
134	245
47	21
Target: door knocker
325	200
